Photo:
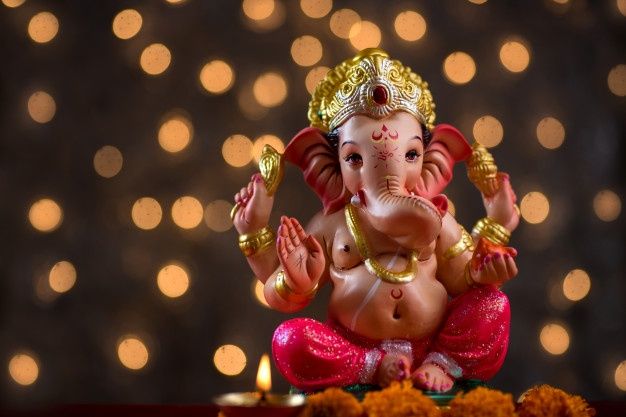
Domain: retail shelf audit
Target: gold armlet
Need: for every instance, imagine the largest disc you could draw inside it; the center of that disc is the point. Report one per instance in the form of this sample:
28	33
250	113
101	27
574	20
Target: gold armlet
465	243
256	242
492	231
468	276
287	294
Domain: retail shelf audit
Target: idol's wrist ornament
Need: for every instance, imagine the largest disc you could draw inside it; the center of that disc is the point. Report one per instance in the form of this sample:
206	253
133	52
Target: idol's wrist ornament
256	242
287	294
491	230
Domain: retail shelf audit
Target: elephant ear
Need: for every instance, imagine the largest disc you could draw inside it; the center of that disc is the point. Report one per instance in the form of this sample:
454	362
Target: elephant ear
447	147
310	151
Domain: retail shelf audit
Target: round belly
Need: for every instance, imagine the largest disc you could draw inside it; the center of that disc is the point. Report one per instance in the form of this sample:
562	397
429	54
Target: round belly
379	310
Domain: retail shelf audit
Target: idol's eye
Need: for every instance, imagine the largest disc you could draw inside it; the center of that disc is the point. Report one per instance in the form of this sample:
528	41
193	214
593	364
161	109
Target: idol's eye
354	159
412	155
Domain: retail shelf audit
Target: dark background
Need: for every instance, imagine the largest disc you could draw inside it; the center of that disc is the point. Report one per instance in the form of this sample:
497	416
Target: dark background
104	98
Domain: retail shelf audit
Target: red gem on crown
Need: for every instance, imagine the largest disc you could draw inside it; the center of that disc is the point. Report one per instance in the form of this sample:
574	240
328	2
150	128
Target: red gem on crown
380	95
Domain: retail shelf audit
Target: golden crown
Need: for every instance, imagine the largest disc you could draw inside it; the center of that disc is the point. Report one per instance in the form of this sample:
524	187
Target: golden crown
373	84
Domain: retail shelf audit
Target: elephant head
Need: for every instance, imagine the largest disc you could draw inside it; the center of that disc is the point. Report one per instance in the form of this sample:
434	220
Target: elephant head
390	165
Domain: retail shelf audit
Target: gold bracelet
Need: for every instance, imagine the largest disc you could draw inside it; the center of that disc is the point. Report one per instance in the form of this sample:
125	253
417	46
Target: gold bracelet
468	276
492	231
465	243
287	294
251	243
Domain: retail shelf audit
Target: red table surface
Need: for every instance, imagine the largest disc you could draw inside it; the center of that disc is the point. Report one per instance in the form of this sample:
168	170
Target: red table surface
603	408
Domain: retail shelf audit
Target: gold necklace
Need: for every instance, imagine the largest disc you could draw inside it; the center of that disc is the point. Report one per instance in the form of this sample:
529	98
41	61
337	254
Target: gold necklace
372	265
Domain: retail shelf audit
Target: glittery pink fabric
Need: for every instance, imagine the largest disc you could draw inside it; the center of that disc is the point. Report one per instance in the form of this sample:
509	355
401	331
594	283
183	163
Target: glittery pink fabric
475	334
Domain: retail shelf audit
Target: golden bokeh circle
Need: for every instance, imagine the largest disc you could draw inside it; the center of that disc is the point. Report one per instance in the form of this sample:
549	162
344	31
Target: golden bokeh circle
514	56
13	3
478	1
108	161
146	213
607	205
41	107
155	59
175	134
127	24
237	150
132	352
535	207
45	215
488	131
43	27
554	338
365	34
62	277
217	215
550	133
617	80
342	21
272	140
217	77
23	369
316	8
173	280
410	26
270	89
258	9
187	212
576	285
459	68
621	6
620	371
258	291
314	76
230	360
306	50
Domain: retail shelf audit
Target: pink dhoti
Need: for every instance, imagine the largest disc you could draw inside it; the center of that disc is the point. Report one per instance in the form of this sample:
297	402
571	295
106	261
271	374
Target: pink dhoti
471	344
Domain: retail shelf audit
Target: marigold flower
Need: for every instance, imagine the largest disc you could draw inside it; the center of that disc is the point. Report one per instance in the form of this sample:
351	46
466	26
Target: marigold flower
483	402
332	402
547	401
400	399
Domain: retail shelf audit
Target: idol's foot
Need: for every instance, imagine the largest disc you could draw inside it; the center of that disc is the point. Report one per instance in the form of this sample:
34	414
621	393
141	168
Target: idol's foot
432	378
394	367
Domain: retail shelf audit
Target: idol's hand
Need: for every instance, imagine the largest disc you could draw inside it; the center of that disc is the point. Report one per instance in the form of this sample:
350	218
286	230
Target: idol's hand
252	206
495	268
300	255
501	205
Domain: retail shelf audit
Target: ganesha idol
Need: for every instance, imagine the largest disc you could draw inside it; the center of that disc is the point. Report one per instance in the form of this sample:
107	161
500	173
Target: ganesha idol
413	294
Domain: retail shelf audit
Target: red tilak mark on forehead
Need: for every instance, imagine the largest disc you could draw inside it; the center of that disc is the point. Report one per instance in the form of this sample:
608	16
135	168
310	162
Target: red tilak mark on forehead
384	128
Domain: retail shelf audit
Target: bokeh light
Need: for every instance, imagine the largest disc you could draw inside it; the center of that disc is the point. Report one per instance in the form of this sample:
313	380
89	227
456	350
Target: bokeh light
43	27
270	89
230	360
132	352
217	77
62	277
24	369
576	285
45	215
617	80
607	205
263	140
459	68
258	9
155	59
620	371
273	21
237	150
217	215
550	133
127	23
108	161
621	6
316	8
41	107
175	134
13	3
410	25
187	212
176	2
314	77
257	290
342	21
554	339
514	55
488	131
535	207
173	280
146	213
478	1
365	34
249	106
306	50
